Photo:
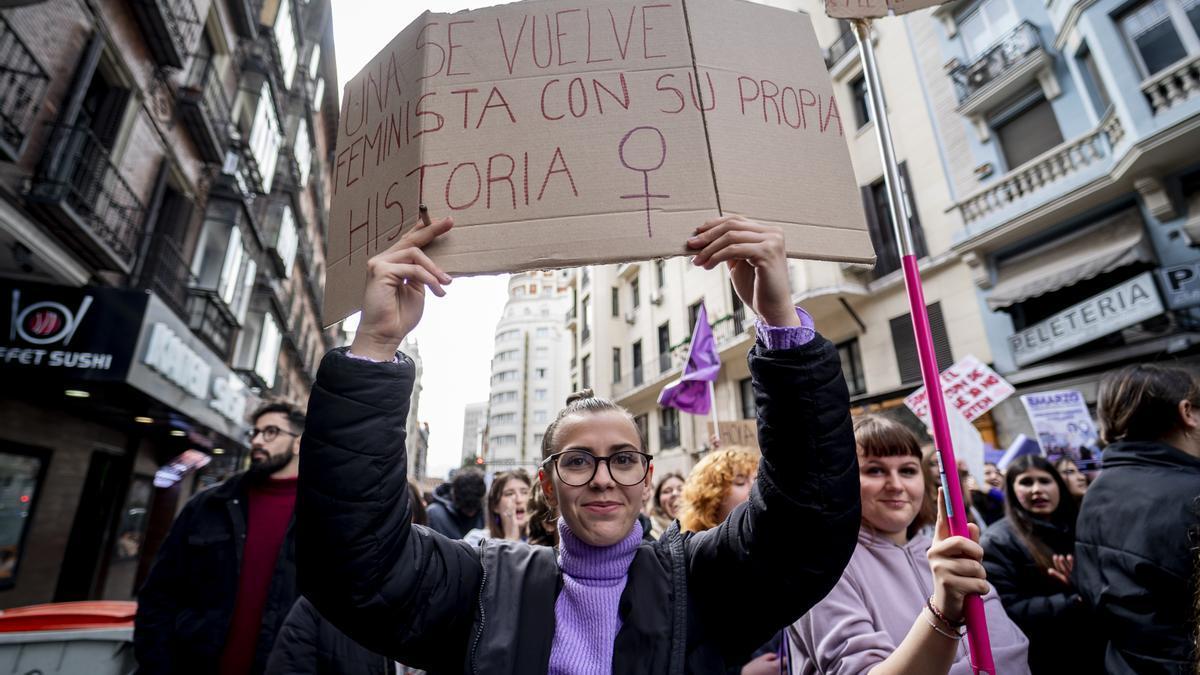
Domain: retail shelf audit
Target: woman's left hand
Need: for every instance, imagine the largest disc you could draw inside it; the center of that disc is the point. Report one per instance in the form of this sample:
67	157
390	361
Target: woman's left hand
1063	566
757	263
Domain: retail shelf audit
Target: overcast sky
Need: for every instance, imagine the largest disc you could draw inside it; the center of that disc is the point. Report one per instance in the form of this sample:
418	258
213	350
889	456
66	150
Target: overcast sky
455	335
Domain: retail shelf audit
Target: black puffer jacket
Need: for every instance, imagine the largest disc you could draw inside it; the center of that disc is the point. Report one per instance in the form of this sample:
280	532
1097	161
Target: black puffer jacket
186	604
1053	616
310	645
448	607
1135	557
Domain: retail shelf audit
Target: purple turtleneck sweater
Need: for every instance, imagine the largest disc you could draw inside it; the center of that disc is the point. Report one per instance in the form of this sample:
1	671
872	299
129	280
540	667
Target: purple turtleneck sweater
585	614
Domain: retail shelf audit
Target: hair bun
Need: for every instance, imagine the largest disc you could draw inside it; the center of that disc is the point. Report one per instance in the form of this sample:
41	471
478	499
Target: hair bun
581	395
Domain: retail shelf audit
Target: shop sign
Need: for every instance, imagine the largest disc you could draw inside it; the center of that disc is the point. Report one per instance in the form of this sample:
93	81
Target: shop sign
969	386
80	332
1119	307
176	368
1181	285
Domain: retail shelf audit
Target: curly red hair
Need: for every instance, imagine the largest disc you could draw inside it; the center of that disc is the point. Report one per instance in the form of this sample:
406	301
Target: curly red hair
708	484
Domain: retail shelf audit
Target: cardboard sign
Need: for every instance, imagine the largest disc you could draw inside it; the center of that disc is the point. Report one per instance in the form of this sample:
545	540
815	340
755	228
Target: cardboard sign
561	133
1064	426
873	9
737	432
970	387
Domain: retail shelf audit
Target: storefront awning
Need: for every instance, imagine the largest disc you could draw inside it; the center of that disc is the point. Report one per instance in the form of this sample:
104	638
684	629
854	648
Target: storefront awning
1112	243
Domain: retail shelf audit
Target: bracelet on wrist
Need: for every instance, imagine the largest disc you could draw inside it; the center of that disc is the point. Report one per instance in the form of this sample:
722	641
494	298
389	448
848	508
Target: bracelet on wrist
942	617
957	635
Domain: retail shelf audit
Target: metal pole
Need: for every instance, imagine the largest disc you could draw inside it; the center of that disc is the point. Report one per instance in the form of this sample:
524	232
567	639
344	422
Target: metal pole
977	634
712	396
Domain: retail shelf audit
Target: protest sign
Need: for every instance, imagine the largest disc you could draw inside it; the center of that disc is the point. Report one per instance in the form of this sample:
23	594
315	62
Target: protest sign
970	387
1064	426
560	133
968	444
873	9
737	432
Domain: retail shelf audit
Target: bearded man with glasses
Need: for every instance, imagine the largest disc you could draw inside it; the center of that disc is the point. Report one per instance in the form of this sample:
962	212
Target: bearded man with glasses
225	578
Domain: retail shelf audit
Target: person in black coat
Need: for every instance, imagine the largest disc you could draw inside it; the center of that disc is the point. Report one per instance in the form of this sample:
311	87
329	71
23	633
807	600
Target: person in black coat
1028	556
309	645
1135	549
457	506
507	607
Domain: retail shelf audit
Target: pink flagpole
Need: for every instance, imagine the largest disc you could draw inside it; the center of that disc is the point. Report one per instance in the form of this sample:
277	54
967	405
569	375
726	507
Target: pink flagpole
977	633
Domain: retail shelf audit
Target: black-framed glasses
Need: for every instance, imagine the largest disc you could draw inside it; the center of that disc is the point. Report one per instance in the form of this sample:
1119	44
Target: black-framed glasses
578	467
269	433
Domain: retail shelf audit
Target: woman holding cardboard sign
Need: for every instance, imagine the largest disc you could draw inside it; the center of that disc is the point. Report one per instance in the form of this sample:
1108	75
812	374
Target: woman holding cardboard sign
606	602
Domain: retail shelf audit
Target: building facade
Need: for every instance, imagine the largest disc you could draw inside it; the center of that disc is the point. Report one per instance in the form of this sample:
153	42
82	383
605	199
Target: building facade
528	383
162	200
474	422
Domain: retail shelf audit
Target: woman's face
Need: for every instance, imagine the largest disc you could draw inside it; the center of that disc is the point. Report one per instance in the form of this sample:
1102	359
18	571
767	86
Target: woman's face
669	494
892	490
1076	480
1037	492
738	492
601	512
515	499
992	476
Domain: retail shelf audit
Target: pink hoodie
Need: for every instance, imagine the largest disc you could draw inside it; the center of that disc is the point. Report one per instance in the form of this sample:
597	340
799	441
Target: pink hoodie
872	608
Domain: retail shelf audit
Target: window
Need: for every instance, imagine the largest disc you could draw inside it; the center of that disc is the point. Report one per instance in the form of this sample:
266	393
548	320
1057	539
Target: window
541	351
1092	81
635	293
879	224
542	332
505	376
985	25
1026	130
302	151
507	355
585	310
665	347
862	105
749	409
314	62
504	418
905	344
508	335
660	273
668	429
616	302
539	394
505	440
852	368
539	416
540	373
693	317
537	439
1162	32
22	470
642	422
616	364
224	265
504	397
285	39
637	364
265	137
268	350
288	239
585	371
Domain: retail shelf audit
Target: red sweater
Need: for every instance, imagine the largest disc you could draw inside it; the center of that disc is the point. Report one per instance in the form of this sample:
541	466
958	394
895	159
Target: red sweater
270	510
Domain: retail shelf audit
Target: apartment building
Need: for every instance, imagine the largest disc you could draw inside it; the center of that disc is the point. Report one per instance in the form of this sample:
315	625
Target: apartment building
528	383
163	190
474	421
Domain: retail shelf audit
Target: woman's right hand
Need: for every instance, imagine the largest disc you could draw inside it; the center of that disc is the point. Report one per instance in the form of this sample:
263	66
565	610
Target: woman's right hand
395	295
957	565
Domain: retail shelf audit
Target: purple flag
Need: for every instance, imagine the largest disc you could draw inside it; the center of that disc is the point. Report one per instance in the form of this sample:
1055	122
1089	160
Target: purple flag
690	392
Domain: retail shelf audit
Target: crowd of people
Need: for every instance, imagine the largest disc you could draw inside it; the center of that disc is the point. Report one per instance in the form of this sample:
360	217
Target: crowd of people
824	550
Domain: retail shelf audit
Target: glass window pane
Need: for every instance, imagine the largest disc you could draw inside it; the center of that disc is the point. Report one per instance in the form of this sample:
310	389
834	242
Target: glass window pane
1192	9
227	286
18	488
1150	30
288	240
268	350
285	37
974	34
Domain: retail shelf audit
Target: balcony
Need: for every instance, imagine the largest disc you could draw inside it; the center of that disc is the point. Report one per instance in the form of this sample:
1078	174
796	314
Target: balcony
171	28
206	112
1005	69
843	45
1052	173
1173	85
166	273
211	320
23	85
245	15
88	199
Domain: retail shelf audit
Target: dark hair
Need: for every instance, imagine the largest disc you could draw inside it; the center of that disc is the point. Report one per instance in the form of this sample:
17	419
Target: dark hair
419	515
294	415
659	488
582	402
467	490
1141	402
1021	520
543	525
496	493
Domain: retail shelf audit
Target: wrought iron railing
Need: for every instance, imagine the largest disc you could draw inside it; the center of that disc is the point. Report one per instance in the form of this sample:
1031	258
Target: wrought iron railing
23	84
212	320
79	172
842	46
166	272
1005	54
207	113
